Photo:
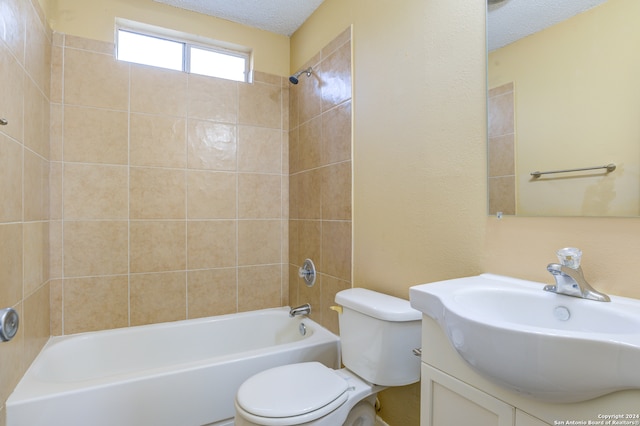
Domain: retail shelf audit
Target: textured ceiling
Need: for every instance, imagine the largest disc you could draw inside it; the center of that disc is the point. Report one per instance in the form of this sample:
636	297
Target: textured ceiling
277	16
511	20
508	20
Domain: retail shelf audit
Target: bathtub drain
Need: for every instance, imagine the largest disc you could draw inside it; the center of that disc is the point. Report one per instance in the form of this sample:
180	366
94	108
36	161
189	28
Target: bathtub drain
302	328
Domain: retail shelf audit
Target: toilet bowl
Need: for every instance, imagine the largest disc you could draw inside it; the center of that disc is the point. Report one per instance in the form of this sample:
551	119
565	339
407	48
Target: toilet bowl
378	333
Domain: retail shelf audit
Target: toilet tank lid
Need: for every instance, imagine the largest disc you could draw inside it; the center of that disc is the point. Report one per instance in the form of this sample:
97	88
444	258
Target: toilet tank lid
378	305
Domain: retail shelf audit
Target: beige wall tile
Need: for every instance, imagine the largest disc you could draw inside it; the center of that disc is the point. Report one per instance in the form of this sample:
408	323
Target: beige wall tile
336	249
212	292
36	187
211	195
294	151
259	149
214	99
309	242
12	99
56	121
260	105
158	141
12	360
501	115
330	287
336	134
157	193
13	23
38	53
88	44
95	79
36	255
55	190
158	91
95	192
336	191
211	244
55	249
500	90
259	287
307	194
37	329
211	146
312	295
309	97
94	135
36	118
501	155
158	246
11	263
158	297
95	248
502	192
55	309
335	74
259	242
10	180
310	140
95	303
57	76
259	196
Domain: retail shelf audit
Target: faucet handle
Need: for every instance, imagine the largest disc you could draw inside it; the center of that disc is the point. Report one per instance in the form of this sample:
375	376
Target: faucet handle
570	257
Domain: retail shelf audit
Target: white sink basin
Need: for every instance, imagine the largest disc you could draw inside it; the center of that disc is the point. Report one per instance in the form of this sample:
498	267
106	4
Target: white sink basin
543	345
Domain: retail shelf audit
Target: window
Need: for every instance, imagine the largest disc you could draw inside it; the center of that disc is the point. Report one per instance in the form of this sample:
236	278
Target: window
155	49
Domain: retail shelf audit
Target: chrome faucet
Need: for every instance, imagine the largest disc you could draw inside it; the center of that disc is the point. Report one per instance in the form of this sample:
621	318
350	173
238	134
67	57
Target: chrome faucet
570	279
300	310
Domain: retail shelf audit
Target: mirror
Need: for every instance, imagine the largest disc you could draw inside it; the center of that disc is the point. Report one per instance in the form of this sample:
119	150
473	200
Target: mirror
564	93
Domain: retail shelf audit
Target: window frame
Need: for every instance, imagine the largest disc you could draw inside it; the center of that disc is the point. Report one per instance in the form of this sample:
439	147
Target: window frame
188	41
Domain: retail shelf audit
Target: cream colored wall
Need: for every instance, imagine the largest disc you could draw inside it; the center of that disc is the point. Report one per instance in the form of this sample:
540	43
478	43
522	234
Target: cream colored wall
95	20
577	106
419	195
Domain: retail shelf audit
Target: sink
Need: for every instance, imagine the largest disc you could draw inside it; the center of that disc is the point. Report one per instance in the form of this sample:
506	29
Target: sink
542	345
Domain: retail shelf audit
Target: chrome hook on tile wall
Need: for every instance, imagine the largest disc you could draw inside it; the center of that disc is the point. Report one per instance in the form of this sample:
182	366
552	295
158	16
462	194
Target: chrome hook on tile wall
3	122
308	272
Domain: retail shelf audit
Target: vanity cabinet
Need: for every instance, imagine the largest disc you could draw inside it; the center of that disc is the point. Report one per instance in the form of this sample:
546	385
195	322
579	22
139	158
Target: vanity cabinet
449	401
454	394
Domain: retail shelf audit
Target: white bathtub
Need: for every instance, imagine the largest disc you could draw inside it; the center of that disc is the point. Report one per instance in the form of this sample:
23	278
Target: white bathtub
182	373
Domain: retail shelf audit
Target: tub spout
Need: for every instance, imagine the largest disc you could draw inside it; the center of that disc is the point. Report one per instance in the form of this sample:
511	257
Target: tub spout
300	310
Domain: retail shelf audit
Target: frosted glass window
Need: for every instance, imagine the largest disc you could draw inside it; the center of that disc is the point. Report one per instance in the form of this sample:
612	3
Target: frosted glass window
147	50
217	64
180	55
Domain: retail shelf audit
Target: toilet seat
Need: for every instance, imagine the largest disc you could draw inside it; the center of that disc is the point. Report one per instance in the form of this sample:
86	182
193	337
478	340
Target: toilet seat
292	394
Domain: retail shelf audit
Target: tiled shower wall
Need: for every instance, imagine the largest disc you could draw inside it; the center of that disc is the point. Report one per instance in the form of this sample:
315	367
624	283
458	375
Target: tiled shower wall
169	192
25	49
502	179
320	179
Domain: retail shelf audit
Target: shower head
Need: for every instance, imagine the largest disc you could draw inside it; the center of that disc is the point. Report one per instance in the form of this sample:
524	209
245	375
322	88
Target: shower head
294	78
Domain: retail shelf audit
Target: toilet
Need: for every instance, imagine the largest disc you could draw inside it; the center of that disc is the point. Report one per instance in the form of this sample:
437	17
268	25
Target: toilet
377	333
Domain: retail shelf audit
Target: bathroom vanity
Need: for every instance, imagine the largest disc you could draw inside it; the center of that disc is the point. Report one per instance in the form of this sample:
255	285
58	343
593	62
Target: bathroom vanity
452	393
454	390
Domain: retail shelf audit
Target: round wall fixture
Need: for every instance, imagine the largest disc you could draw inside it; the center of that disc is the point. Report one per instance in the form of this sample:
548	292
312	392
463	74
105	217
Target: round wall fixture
9	322
308	272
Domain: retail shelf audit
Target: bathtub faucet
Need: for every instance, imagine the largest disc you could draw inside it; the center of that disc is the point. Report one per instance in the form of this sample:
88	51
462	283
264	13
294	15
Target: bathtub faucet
300	310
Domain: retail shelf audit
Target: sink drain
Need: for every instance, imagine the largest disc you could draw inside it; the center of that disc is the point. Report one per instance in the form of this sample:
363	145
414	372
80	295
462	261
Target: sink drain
562	313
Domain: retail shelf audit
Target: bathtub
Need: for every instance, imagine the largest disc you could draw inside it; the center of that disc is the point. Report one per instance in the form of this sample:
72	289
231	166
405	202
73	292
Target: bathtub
182	373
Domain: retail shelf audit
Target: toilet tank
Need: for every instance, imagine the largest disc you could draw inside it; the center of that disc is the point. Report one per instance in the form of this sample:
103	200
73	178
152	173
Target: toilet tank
378	334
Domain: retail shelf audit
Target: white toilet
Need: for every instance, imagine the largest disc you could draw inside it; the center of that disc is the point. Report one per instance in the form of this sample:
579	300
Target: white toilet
377	334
